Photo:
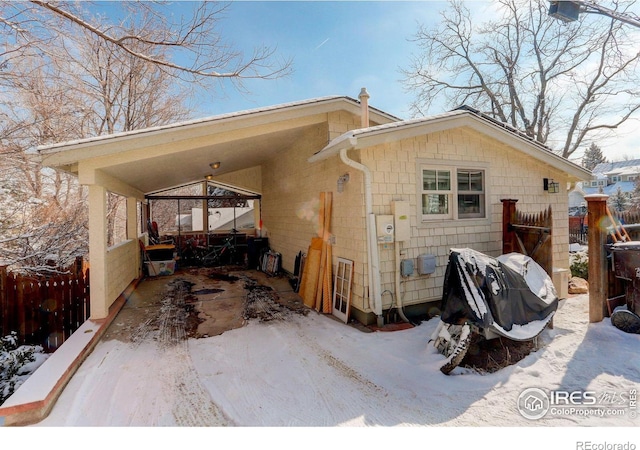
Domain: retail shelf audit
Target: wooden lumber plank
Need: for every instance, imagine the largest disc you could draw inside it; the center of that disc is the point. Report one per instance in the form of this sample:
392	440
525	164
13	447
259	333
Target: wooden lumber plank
321	272
328	277
310	274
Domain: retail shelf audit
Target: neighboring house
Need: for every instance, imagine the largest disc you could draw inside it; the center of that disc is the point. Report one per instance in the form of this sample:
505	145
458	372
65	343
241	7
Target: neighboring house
608	179
443	176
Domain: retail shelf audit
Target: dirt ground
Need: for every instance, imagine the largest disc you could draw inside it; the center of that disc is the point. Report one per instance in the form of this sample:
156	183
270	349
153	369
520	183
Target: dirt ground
488	356
202	302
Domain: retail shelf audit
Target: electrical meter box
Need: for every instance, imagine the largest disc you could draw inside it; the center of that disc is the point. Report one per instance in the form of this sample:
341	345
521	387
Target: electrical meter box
426	264
384	228
401	220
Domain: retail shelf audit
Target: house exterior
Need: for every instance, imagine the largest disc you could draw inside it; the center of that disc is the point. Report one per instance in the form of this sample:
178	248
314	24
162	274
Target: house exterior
438	181
609	178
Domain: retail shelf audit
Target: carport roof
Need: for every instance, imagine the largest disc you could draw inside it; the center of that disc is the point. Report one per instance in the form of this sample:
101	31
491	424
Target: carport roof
152	159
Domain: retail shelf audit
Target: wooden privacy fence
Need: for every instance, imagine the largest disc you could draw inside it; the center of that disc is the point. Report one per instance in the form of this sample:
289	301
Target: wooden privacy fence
44	310
578	229
529	234
631	222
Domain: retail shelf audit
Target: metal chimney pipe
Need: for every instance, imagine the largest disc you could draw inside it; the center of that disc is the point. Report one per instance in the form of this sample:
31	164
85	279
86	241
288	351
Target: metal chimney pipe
364	106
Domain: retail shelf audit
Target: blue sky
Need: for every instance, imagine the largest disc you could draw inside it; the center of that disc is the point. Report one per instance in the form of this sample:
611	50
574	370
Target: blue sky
336	47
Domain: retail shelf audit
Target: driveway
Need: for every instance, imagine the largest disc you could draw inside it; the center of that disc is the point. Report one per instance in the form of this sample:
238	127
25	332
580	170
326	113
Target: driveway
155	325
280	364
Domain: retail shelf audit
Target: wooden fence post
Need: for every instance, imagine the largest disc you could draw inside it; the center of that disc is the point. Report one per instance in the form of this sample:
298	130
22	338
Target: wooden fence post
597	238
508	217
4	305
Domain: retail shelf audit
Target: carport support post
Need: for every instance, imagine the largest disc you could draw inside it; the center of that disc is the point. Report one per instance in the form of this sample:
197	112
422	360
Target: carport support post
205	209
132	226
98	250
596	239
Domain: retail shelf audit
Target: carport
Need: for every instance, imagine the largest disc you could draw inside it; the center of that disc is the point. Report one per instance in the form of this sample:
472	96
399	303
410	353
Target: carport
136	163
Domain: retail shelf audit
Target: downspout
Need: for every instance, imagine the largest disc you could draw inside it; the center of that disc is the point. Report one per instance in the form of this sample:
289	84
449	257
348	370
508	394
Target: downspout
373	257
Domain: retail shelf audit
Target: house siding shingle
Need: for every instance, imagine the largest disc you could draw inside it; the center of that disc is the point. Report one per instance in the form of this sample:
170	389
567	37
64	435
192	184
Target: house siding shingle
510	174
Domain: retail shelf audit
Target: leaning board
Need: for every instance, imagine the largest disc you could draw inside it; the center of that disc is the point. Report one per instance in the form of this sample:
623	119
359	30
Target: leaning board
312	264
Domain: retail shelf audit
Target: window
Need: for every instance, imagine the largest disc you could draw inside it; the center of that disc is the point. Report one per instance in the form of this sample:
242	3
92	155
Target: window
452	193
470	193
436	187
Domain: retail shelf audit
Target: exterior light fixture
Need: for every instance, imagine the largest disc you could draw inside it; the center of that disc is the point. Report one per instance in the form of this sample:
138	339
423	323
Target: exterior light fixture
341	181
552	187
566	11
215	165
208	177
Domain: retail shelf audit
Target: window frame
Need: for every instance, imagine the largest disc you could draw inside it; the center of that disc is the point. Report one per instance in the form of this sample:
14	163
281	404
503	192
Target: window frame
481	214
454	167
437	191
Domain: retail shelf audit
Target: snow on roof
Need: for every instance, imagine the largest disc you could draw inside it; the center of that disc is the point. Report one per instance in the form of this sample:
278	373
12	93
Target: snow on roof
624	186
630	170
613	167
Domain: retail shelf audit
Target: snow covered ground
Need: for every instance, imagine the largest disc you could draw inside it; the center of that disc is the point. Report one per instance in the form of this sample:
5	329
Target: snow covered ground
313	371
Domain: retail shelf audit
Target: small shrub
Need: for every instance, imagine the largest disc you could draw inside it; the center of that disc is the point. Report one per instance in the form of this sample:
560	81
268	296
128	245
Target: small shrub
579	265
17	363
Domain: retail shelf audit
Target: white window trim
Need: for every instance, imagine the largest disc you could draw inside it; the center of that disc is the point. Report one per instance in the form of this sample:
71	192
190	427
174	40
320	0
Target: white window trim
449	192
453	166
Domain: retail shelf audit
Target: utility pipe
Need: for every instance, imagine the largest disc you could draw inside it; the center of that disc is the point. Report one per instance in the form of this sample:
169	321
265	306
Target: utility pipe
398	293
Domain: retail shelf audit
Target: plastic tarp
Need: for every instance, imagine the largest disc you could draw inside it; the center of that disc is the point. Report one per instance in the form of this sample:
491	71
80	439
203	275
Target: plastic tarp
511	295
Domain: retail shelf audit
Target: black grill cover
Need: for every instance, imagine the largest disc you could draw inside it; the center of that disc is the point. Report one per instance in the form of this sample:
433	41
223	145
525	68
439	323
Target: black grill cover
498	293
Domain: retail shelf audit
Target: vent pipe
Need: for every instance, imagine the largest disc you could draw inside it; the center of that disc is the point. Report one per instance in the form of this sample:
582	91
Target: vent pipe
364	107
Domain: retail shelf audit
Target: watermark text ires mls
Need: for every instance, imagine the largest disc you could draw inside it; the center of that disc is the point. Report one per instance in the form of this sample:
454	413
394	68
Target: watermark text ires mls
535	403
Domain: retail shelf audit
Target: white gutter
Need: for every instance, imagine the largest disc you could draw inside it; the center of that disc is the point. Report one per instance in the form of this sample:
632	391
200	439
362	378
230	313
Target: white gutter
373	257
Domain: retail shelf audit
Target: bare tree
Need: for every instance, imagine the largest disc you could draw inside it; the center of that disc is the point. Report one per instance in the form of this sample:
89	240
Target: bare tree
192	38
562	84
67	75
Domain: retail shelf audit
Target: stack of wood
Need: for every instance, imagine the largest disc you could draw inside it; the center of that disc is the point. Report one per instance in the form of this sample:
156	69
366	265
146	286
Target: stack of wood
316	283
